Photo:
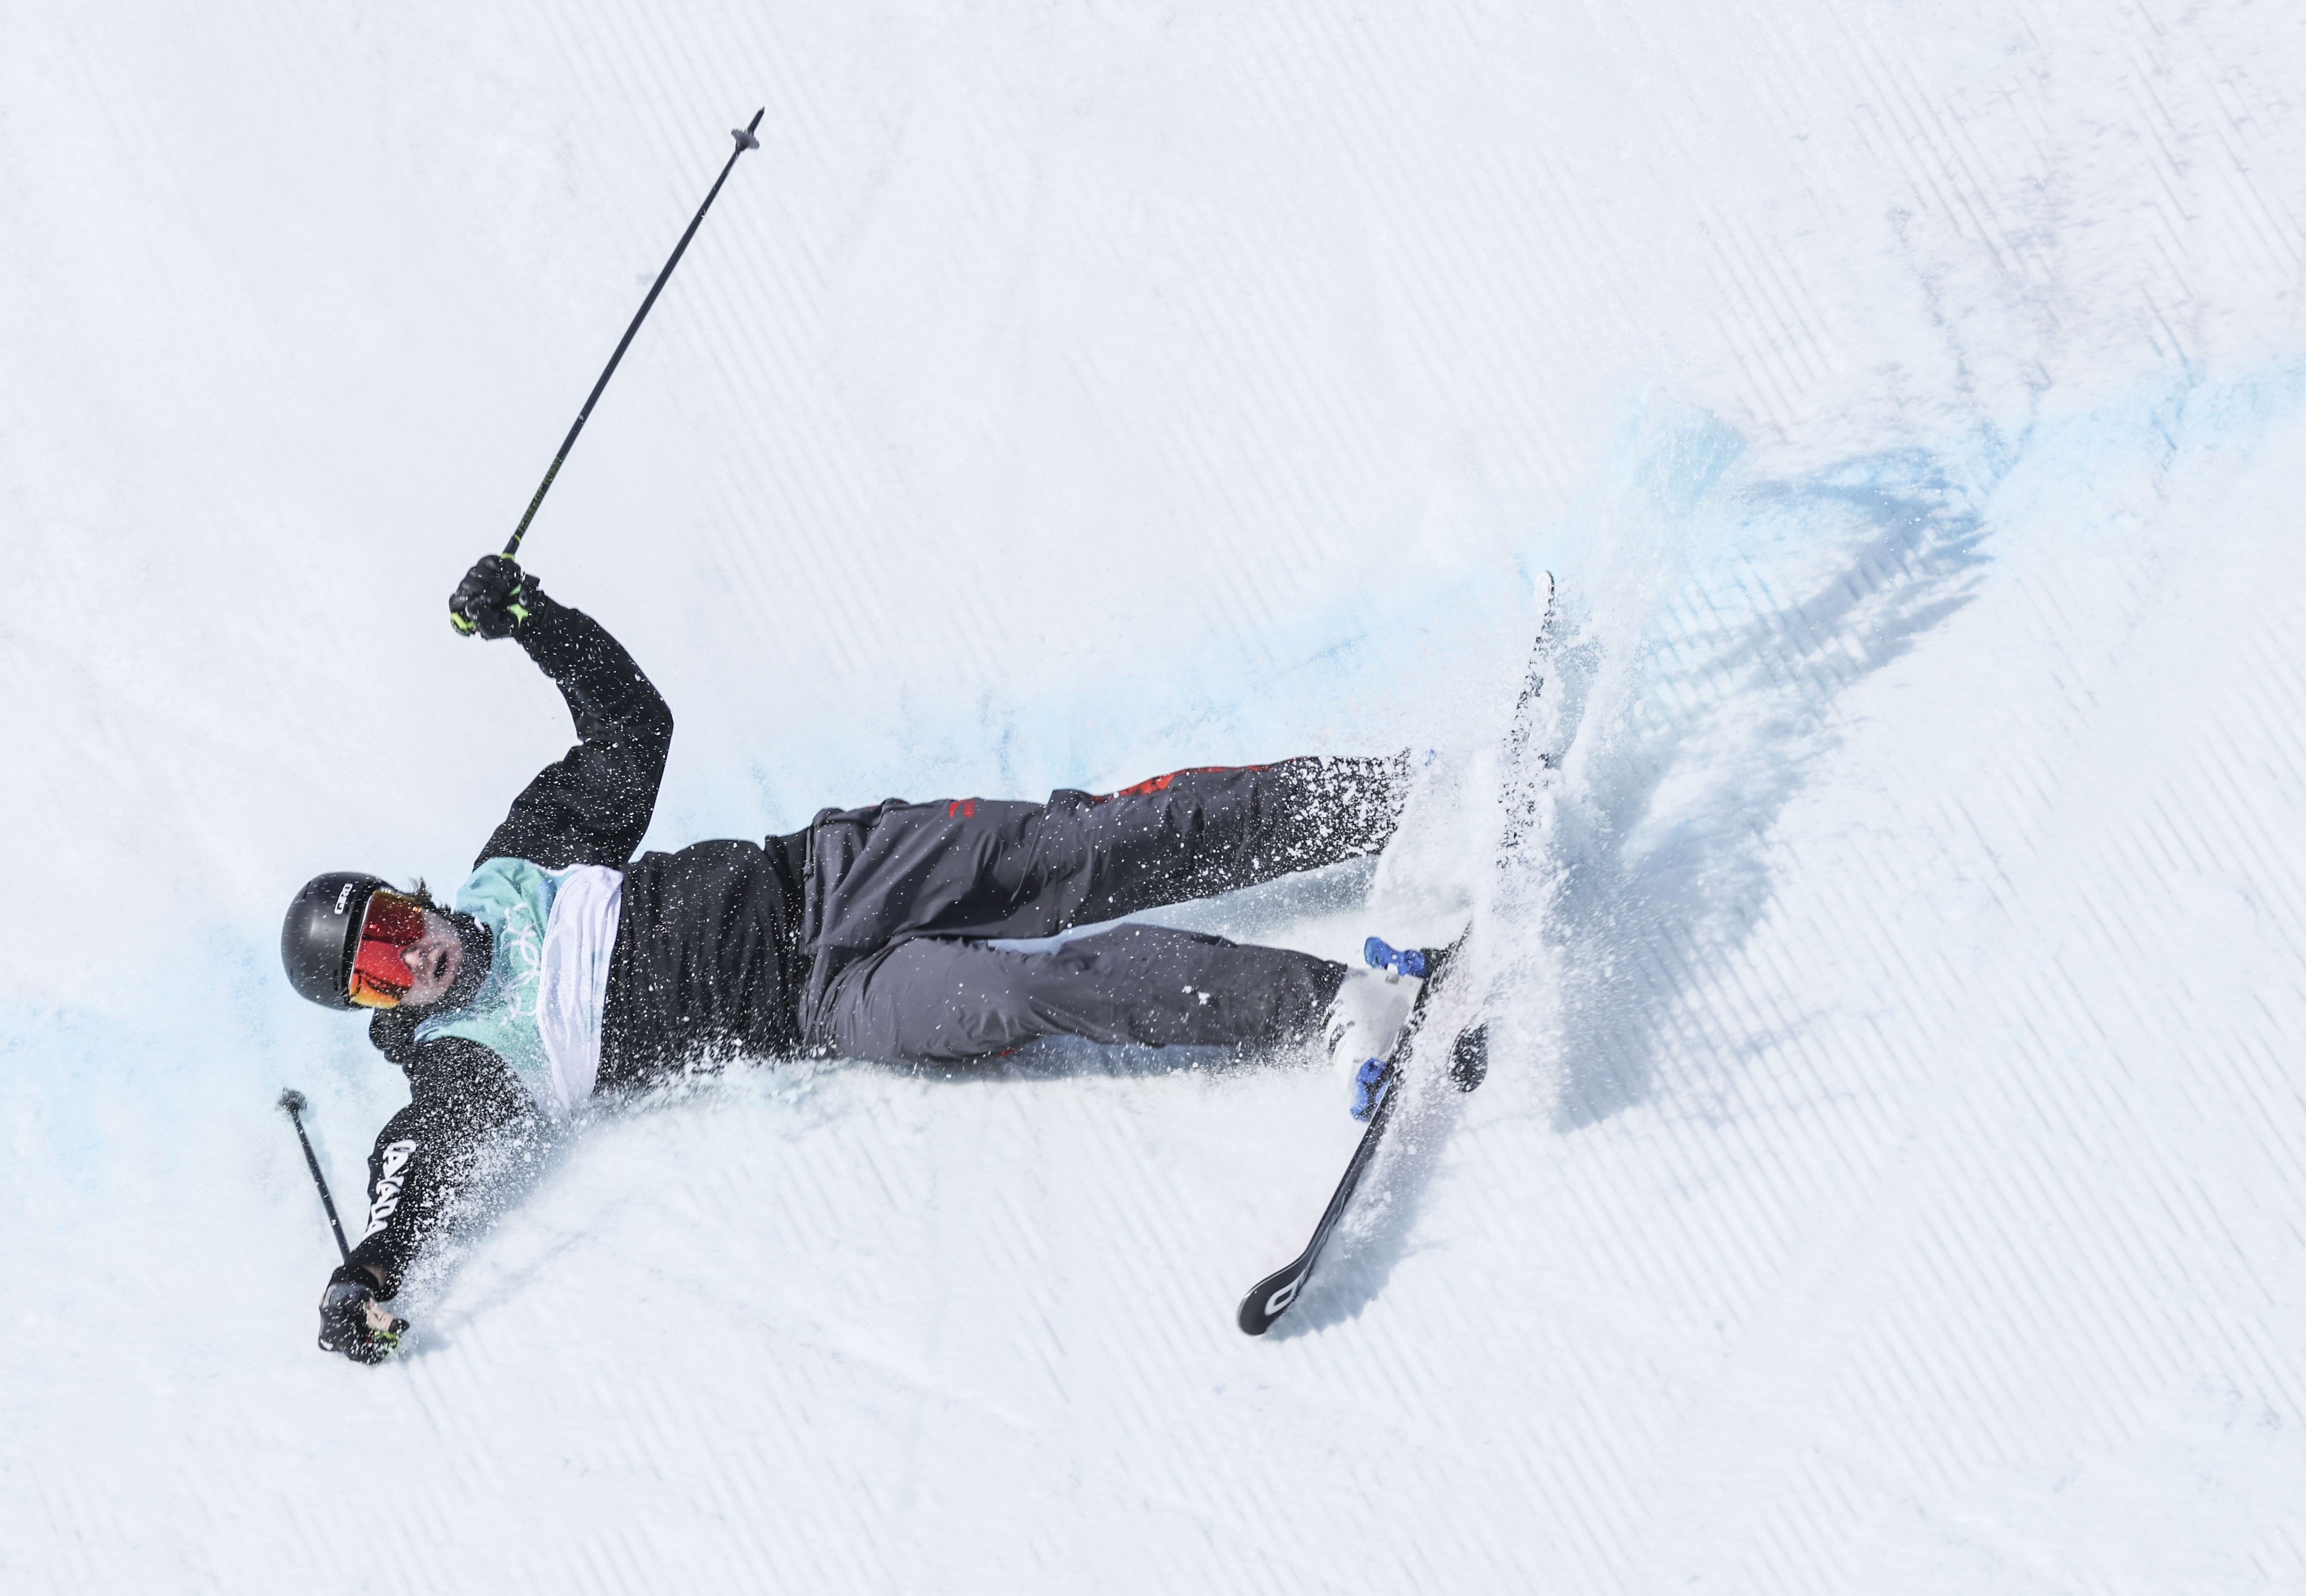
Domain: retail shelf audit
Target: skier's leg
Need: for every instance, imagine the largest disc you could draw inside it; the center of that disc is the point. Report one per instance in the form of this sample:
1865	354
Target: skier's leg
936	999
979	867
955	867
1198	832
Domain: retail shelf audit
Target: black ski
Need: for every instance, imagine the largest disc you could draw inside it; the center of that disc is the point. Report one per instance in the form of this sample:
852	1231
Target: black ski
1469	1051
1271	1297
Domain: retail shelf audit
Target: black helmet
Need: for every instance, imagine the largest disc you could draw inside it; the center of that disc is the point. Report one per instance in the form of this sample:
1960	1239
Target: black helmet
317	938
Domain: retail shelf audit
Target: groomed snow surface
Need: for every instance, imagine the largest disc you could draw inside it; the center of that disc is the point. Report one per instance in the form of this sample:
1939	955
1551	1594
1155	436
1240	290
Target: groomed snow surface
1888	1179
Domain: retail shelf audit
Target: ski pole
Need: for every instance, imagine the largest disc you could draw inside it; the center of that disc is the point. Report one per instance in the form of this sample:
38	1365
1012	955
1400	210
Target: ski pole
293	1101
744	140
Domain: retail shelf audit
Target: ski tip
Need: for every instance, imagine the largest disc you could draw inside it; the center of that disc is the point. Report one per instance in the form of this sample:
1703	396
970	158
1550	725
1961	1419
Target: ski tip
1269	1299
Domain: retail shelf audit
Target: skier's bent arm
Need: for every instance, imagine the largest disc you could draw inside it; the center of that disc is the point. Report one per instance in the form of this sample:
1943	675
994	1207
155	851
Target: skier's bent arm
464	1108
592	806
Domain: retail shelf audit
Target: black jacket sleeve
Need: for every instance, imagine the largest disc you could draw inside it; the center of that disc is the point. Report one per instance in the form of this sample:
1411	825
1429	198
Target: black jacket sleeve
452	1155
591	805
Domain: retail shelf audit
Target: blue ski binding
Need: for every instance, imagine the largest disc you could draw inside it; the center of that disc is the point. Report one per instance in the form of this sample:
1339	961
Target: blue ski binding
1394	961
1370	1084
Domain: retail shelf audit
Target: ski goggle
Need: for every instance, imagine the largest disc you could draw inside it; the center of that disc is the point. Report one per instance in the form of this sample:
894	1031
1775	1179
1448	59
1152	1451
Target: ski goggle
390	925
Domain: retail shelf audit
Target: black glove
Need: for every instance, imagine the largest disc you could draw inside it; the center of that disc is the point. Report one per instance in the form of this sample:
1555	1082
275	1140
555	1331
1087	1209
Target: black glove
492	599
347	1323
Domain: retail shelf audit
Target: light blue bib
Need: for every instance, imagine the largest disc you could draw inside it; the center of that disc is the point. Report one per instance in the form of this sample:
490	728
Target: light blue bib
513	899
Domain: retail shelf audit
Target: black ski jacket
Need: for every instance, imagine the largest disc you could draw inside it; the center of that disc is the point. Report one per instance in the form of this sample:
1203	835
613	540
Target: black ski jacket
706	963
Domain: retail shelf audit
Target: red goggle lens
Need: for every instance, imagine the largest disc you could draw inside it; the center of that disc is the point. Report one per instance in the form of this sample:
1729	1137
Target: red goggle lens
391	925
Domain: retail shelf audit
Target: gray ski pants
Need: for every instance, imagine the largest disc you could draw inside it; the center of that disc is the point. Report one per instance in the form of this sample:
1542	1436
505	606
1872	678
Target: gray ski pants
901	901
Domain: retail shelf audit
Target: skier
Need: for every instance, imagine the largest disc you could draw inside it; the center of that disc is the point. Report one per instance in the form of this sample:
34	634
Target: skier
566	969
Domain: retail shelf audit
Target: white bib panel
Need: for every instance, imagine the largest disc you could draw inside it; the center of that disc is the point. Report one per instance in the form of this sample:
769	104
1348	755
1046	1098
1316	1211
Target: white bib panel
579	935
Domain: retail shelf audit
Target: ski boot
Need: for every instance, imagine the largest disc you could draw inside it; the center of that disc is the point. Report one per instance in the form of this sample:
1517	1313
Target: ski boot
1368	1015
